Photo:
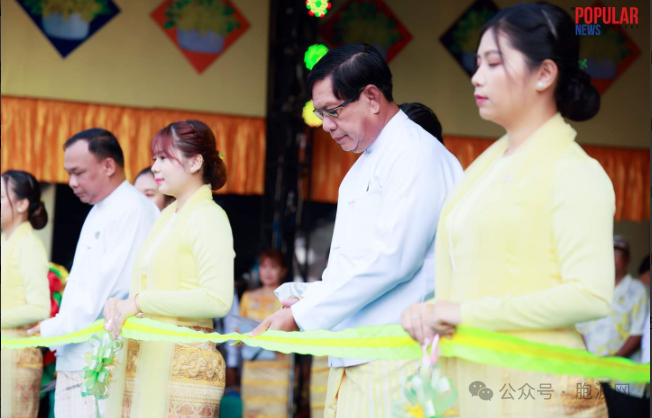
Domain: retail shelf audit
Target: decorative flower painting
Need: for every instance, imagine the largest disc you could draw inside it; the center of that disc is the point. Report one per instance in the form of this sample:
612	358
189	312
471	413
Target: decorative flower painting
462	38
202	29
607	55
69	23
366	21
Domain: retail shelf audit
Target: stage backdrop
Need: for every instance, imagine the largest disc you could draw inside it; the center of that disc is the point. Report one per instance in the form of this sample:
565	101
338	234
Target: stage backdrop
138	56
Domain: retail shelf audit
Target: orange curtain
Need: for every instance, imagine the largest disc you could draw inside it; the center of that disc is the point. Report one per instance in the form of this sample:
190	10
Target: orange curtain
34	131
627	168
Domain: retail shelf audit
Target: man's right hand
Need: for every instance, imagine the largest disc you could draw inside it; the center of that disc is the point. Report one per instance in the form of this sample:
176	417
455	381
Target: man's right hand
289	302
35	331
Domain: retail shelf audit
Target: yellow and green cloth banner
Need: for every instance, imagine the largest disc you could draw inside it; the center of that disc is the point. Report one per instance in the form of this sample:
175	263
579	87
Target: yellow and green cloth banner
382	342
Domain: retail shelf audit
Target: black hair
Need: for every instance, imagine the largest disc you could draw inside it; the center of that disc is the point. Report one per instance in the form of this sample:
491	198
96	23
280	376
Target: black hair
352	68
645	266
423	116
101	143
146	170
25	186
542	31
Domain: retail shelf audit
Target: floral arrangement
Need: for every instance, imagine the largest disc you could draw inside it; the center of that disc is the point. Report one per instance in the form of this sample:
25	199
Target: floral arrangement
610	45
467	33
363	22
202	15
87	9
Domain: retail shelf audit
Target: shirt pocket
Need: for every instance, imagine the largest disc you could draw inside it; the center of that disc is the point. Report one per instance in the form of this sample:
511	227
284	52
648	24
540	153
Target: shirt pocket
359	235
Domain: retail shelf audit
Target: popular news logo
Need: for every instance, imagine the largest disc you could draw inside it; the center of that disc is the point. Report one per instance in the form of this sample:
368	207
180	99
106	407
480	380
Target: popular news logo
588	20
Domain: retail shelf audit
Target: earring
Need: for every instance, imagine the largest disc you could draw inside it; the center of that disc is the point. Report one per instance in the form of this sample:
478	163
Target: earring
540	85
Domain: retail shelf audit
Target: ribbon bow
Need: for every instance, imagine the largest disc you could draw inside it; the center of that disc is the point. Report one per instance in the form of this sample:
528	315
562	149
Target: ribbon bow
427	393
100	362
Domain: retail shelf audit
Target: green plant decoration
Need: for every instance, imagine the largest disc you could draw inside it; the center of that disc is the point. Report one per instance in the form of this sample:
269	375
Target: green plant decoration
467	33
610	45
363	22
87	9
202	15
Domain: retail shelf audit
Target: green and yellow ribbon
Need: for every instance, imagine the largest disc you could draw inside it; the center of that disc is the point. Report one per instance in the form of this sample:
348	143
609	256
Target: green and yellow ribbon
97	373
383	342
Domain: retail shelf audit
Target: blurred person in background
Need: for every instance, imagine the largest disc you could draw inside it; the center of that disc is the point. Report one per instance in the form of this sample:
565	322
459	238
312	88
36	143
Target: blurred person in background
25	290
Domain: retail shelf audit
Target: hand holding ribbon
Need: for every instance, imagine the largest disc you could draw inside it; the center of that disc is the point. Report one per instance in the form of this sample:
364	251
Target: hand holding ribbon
117	311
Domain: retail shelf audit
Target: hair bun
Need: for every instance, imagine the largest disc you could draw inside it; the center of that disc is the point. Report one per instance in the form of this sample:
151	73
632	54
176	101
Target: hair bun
39	217
215	172
577	98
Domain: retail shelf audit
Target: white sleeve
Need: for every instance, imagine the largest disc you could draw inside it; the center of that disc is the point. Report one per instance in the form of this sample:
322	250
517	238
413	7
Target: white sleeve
414	189
87	291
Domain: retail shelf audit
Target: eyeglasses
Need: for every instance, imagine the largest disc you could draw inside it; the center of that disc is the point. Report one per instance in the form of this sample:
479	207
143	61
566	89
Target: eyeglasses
332	113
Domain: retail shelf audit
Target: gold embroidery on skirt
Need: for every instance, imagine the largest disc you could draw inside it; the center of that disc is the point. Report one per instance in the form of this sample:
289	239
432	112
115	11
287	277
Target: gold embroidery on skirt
197	379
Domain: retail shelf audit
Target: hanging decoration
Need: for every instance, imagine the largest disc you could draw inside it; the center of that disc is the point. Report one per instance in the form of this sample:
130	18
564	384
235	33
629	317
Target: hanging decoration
318	8
309	116
313	54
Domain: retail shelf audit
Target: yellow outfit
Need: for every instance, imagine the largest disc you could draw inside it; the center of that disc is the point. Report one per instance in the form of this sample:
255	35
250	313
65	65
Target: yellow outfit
25	300
183	275
319	371
265	383
524	244
367	390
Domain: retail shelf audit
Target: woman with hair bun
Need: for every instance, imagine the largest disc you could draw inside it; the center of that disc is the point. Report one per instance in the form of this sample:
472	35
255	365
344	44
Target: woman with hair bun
25	290
524	243
183	275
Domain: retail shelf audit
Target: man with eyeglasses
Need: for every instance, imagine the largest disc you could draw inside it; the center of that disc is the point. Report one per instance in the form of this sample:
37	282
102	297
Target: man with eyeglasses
382	252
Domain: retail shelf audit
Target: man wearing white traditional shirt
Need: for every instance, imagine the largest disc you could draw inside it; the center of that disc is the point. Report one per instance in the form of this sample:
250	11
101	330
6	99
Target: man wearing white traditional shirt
382	252
113	232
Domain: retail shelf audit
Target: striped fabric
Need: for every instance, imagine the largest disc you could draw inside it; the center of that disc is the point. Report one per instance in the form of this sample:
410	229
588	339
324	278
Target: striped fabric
318	384
368	390
266	388
68	401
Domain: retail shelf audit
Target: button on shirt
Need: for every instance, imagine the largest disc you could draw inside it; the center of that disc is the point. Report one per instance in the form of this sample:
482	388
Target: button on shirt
113	232
382	253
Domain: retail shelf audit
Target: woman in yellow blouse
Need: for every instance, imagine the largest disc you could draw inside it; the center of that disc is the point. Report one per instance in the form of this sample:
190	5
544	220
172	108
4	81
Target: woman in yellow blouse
265	375
524	244
25	290
183	275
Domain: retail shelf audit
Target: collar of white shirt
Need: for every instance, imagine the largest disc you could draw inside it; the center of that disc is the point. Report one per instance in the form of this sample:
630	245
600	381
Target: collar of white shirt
394	123
114	197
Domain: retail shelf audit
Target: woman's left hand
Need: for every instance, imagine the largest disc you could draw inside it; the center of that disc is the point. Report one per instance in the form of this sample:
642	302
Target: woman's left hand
423	320
445	317
116	313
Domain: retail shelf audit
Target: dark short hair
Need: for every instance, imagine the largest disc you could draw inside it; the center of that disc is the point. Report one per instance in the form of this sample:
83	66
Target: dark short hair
146	170
352	68
423	116
542	31
645	266
101	143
